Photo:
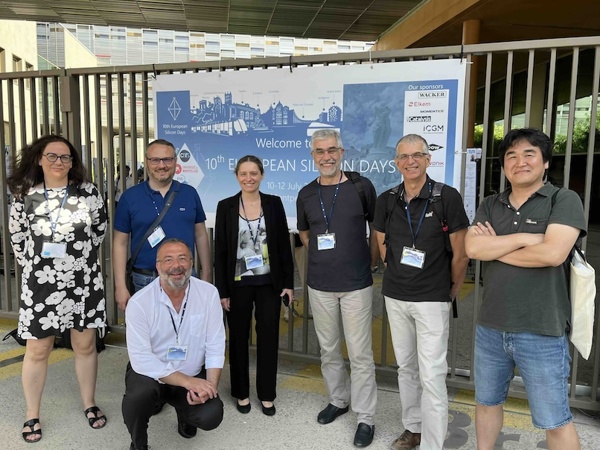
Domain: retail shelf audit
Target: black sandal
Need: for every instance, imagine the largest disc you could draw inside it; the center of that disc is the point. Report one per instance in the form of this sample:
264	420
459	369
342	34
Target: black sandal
93	420
31	424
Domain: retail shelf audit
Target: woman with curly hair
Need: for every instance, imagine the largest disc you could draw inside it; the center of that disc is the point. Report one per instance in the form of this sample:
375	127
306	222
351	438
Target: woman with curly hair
57	222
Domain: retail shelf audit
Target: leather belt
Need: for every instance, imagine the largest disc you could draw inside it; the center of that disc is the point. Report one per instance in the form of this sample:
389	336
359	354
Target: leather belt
151	273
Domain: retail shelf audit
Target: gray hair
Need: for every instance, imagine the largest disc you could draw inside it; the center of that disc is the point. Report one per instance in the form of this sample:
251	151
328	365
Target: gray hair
414	139
326	133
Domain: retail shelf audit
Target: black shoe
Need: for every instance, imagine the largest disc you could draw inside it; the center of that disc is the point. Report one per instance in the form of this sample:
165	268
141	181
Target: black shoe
133	447
186	430
158	407
364	435
244	409
330	413
268	411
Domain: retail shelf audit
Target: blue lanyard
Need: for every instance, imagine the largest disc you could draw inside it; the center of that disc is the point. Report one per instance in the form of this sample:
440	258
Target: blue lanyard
254	238
414	234
53	223
182	314
328	219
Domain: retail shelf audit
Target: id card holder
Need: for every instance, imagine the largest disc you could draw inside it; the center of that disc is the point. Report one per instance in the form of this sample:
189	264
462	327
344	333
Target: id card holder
254	261
177	353
326	241
54	249
413	257
156	236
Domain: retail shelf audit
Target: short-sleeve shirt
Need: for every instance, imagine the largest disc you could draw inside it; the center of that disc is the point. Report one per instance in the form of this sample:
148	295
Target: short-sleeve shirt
346	267
533	300
431	283
140	205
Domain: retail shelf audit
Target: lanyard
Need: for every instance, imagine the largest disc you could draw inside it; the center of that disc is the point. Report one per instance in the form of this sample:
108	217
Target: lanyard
177	330
53	223
254	238
414	234
337	188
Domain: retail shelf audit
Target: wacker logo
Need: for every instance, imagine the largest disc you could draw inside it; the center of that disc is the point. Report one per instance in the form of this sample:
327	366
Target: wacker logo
184	155
433	128
418	119
432	94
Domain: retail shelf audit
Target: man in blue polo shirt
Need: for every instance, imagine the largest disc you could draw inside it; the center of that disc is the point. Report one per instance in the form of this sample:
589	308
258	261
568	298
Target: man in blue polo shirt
138	208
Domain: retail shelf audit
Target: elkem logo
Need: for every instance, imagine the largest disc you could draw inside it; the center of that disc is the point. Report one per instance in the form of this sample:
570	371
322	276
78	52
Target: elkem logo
185	155
418	104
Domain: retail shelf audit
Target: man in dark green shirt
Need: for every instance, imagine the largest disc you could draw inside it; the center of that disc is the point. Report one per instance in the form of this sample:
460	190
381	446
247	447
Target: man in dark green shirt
524	236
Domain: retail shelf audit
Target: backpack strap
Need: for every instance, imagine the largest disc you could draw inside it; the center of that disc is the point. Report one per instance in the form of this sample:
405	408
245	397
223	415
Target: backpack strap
356	180
438	208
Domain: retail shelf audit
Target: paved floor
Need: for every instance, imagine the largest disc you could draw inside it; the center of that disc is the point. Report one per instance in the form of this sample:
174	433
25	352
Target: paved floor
301	395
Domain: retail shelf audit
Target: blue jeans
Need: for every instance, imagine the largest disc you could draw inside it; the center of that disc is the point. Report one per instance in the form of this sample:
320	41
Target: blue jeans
140	280
543	363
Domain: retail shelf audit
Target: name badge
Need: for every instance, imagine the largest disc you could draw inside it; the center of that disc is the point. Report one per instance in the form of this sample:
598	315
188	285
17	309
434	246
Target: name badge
326	241
413	257
156	236
177	353
254	261
54	250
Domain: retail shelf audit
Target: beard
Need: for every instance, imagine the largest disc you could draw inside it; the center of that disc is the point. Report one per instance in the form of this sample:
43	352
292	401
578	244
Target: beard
178	283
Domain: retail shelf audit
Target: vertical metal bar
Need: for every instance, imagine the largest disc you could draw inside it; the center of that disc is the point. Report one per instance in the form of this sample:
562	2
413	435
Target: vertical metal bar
530	69
571	121
57	129
7	304
133	120
550	114
45	106
22	112
11	114
87	128
33	106
507	107
145	117
122	153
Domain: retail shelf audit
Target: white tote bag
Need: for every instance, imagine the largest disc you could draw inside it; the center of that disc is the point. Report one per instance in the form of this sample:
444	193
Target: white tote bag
583	296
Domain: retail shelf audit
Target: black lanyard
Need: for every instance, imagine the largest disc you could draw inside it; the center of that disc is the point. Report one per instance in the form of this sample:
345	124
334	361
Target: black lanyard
328	219
53	223
254	238
177	330
414	234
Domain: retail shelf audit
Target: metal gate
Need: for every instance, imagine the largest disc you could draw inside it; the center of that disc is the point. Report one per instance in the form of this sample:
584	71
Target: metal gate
107	112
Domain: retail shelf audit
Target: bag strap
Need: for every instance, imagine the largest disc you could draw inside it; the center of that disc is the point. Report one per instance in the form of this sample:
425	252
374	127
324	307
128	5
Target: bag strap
355	178
438	209
152	227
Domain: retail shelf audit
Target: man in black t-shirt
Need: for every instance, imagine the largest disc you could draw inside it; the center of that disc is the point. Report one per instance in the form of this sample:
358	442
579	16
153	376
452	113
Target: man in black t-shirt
332	225
422	276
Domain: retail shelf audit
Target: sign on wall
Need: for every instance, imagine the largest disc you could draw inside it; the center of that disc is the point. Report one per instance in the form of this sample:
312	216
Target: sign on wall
215	118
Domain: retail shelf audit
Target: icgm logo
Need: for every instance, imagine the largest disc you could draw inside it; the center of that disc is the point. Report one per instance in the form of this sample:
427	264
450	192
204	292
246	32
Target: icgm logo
418	119
185	155
432	94
433	128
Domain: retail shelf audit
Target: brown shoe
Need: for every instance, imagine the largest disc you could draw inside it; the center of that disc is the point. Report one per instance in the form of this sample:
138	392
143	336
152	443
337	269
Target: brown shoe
407	440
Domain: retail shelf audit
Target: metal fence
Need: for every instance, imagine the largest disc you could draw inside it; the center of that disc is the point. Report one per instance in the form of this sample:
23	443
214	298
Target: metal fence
106	111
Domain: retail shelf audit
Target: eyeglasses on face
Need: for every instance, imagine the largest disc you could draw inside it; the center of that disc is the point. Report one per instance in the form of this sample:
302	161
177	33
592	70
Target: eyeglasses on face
329	151
169	260
417	156
157	161
53	157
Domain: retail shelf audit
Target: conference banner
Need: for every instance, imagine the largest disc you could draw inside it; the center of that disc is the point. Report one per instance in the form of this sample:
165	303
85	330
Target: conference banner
215	118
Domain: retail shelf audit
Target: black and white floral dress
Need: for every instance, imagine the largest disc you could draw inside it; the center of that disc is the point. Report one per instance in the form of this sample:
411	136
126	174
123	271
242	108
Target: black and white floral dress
59	293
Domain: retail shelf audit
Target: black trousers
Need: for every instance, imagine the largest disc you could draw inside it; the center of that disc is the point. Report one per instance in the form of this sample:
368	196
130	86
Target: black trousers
142	393
267	308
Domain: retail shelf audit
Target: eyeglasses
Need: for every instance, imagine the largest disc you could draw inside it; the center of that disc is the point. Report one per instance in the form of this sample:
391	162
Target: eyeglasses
53	157
169	261
157	161
417	156
330	151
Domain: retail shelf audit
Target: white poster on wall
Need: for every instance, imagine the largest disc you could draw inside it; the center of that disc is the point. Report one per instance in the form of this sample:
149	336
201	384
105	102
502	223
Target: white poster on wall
215	118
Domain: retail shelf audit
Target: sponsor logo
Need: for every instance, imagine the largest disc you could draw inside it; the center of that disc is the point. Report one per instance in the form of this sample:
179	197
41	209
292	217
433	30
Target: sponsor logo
433	128
418	119
432	111
433	94
437	164
185	155
419	104
434	147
